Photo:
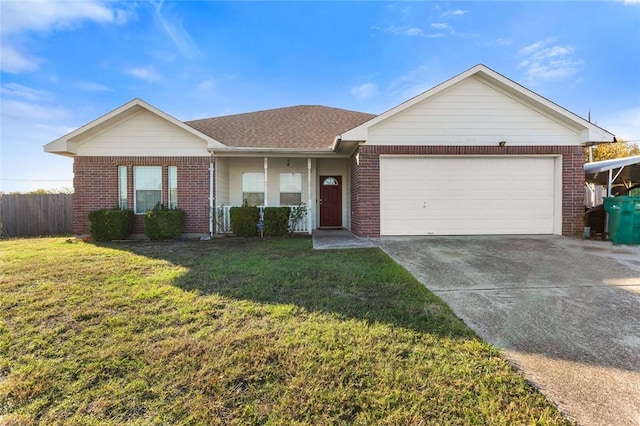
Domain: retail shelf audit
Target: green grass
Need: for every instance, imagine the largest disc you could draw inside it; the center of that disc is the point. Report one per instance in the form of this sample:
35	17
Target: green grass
239	332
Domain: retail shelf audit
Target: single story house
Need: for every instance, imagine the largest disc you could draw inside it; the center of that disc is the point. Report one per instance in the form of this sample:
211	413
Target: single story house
477	154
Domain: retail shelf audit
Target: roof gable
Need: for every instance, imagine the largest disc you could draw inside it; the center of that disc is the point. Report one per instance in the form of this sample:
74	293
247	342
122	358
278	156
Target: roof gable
69	143
586	131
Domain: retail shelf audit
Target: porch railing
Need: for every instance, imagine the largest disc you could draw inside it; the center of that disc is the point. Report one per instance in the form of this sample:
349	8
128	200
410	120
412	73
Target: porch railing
223	219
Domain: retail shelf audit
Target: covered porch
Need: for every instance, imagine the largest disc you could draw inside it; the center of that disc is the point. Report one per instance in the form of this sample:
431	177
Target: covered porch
320	184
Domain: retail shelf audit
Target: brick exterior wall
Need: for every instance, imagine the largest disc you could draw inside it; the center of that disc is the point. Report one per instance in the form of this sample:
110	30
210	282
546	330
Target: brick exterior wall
365	180
95	183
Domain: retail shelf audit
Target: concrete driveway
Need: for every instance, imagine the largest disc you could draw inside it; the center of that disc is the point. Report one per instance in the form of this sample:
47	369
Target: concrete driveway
565	312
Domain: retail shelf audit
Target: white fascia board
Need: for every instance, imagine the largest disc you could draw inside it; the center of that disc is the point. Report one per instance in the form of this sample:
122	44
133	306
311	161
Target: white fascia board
596	134
61	146
66	146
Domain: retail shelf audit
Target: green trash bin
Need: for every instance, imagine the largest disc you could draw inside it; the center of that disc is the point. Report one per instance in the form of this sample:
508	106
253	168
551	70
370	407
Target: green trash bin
613	206
624	219
635	233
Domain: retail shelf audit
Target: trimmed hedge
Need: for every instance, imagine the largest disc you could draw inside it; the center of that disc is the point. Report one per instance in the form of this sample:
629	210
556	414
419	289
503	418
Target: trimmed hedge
244	221
276	221
111	224
162	223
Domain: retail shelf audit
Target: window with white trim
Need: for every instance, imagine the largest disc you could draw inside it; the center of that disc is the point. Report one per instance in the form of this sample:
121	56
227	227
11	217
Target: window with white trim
290	189
172	175
253	188
122	187
147	181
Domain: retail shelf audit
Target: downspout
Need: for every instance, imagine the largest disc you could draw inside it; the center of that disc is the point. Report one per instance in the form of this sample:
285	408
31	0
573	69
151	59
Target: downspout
266	182
309	195
212	212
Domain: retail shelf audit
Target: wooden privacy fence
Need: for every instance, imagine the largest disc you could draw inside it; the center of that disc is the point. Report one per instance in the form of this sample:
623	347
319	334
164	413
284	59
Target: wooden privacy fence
23	215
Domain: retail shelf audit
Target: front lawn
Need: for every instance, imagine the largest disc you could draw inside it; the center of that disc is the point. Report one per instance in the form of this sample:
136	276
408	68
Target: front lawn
239	332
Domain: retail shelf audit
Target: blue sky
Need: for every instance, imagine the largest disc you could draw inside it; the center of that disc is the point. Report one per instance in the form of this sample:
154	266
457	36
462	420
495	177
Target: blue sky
64	64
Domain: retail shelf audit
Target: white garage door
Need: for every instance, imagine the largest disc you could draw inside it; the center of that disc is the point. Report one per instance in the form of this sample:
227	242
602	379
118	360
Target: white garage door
468	195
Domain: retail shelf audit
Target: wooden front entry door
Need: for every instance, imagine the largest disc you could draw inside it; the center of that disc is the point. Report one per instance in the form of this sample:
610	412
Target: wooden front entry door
331	201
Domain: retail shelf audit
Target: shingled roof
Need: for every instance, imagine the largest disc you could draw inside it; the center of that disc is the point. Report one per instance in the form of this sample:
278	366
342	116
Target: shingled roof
304	126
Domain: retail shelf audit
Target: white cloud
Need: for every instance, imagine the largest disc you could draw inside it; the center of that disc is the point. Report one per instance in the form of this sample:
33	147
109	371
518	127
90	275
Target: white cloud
14	62
441	26
532	48
544	62
144	73
364	91
15	90
42	15
173	27
455	12
90	86
410	31
32	112
22	17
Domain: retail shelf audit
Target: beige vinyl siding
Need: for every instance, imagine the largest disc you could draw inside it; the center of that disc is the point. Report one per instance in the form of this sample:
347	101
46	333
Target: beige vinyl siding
472	113
222	182
143	134
237	166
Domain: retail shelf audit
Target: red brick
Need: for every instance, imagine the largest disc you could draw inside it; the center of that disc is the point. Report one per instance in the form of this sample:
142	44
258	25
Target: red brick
365	180
96	187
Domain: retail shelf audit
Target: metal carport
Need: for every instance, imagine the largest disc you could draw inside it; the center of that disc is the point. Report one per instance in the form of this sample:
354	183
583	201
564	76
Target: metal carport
619	171
623	172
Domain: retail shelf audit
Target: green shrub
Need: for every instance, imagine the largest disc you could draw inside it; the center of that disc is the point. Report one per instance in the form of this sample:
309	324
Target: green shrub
297	215
110	224
276	221
244	221
163	223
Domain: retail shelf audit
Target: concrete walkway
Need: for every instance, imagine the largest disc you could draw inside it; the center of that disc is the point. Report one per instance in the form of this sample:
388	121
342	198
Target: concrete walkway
565	312
325	239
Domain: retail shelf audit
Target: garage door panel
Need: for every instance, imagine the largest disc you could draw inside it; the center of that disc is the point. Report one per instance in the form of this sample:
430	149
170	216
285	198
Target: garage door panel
467	195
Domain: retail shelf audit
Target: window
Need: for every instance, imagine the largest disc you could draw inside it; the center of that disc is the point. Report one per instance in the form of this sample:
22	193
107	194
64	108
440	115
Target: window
290	189
330	181
173	187
253	188
148	187
122	187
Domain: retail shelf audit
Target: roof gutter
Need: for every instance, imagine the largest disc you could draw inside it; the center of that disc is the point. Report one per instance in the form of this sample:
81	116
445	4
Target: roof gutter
593	143
277	152
336	142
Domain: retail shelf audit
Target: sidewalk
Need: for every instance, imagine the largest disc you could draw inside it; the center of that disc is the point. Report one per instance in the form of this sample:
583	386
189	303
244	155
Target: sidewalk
327	239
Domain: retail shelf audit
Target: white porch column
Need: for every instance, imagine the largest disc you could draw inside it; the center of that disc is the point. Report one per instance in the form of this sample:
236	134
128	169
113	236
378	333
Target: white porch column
309	195
266	180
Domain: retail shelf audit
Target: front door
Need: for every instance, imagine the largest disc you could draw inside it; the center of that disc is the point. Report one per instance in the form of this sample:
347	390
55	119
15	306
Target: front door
331	201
